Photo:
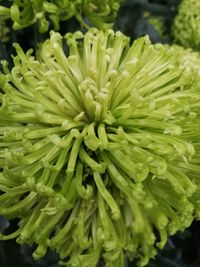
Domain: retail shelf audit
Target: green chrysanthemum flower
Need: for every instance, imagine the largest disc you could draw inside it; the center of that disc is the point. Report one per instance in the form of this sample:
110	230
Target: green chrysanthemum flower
190	62
189	59
186	27
98	147
99	13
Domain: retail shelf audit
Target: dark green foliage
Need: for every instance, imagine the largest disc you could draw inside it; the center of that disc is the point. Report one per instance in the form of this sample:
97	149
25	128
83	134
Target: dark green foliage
134	18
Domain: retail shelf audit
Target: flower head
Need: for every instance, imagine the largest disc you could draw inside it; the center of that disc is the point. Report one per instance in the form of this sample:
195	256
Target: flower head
98	146
186	27
189	59
100	13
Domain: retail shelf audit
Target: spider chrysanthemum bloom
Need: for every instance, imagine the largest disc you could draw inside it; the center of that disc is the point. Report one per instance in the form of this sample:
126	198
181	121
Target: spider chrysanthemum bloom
190	62
97	144
186	27
99	13
189	59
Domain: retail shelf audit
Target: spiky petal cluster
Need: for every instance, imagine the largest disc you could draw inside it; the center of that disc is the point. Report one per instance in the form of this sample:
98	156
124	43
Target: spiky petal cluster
190	62
189	59
99	13
186	27
4	13
97	147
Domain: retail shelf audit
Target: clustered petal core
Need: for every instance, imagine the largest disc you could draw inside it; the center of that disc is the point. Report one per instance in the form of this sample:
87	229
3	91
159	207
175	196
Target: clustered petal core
99	146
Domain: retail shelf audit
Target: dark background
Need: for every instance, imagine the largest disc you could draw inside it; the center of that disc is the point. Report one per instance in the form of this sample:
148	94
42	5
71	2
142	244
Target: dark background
135	18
